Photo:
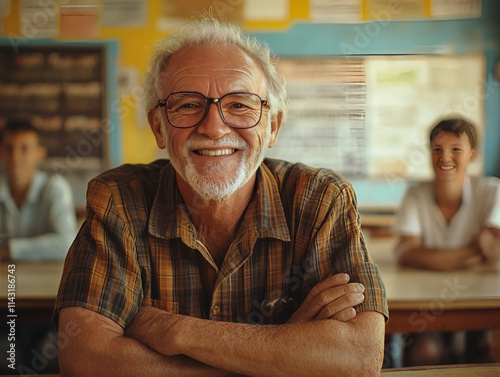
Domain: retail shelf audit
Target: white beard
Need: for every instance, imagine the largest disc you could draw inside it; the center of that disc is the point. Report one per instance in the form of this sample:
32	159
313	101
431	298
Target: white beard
205	184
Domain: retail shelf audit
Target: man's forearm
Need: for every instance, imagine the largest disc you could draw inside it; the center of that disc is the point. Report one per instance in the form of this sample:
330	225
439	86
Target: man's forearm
440	259
92	345
124	358
317	348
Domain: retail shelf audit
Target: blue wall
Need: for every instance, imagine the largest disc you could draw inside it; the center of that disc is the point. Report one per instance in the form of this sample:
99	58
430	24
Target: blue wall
481	35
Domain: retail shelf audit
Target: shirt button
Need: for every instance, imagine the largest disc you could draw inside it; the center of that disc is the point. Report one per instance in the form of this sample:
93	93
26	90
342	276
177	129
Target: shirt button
215	310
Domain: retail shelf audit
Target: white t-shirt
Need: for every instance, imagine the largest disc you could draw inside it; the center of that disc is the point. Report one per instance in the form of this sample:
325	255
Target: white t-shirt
419	215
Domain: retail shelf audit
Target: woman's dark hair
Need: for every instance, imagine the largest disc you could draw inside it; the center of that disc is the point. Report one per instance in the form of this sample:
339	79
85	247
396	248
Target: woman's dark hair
456	127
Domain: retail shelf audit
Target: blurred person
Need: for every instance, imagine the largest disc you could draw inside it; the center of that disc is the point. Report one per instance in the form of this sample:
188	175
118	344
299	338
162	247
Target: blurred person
37	216
452	222
37	219
179	262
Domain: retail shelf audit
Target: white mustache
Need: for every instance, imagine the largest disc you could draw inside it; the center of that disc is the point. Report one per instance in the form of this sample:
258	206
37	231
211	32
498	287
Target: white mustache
195	142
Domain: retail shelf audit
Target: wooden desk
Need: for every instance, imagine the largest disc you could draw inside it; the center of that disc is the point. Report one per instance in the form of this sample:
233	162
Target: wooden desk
36	289
36	283
421	300
479	370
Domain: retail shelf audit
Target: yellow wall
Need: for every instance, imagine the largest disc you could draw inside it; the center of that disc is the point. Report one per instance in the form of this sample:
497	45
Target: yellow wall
135	45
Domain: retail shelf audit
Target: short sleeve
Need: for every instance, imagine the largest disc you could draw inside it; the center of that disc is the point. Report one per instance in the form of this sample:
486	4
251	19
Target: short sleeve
101	272
493	218
339	247
407	216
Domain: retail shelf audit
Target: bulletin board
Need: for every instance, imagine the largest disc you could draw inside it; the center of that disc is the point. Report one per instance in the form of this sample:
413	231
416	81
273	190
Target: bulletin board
369	117
62	91
68	91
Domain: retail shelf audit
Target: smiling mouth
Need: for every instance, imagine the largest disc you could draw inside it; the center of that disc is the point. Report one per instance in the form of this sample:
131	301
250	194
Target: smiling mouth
214	152
447	167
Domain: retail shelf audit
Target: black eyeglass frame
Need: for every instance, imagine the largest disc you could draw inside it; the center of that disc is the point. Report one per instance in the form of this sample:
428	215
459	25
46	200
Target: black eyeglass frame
209	101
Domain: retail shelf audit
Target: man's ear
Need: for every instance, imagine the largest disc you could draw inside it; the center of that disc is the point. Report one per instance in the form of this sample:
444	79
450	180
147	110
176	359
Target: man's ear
155	124
276	121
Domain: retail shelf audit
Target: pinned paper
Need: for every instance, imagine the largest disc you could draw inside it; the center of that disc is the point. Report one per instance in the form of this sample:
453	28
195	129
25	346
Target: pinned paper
79	21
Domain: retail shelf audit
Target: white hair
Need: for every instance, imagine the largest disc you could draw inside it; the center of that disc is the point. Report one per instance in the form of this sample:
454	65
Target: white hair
209	31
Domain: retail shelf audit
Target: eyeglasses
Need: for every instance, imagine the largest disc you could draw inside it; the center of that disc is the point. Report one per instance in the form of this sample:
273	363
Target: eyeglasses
188	109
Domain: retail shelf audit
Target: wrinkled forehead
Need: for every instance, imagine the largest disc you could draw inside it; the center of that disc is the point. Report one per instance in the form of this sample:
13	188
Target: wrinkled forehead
224	67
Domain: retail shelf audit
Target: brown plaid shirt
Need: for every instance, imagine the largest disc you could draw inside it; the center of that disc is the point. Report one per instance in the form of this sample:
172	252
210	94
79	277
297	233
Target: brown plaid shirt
138	246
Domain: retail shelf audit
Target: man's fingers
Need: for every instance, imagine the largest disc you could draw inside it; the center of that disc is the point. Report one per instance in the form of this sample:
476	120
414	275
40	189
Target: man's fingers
349	300
332	281
345	315
320	289
329	298
329	295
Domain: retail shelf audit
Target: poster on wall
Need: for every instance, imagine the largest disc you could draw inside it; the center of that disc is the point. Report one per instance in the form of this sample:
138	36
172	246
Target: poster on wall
370	117
265	10
38	19
338	11
124	13
456	8
326	119
406	96
177	13
353	11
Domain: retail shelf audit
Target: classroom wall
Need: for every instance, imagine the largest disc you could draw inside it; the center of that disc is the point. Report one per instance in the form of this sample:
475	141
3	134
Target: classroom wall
453	37
299	38
468	36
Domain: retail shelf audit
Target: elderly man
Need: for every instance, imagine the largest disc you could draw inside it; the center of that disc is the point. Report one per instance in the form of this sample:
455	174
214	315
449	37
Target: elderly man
180	262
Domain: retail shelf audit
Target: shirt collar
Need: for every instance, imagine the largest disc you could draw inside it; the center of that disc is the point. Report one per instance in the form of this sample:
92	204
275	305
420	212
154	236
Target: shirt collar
265	214
34	192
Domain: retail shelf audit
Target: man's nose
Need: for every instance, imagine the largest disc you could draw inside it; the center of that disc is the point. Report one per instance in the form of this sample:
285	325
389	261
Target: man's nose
213	125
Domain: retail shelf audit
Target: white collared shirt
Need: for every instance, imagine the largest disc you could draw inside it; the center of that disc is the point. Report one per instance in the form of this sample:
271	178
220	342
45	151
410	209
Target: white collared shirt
44	227
419	215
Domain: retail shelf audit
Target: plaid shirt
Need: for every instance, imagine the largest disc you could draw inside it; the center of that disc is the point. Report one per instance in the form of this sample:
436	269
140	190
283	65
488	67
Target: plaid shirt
138	246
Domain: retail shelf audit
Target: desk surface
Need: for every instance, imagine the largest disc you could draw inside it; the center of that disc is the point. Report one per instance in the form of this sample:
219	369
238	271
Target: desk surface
409	288
484	370
35	281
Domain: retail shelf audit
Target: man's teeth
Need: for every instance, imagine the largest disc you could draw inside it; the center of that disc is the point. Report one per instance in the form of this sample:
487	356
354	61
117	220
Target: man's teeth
217	152
446	167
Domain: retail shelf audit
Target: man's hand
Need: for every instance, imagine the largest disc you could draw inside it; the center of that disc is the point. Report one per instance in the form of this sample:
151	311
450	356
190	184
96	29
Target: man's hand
333	298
